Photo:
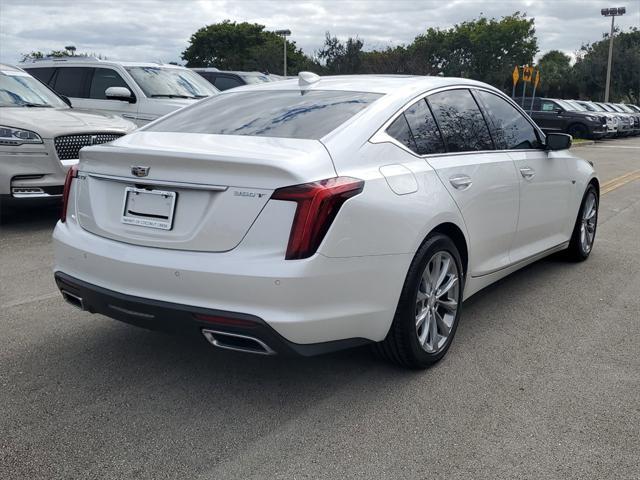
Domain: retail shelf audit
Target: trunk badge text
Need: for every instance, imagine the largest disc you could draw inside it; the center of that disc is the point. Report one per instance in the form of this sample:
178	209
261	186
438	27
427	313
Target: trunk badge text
139	171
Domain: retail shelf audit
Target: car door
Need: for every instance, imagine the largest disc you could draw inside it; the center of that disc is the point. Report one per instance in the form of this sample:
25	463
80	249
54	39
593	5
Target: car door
481	179
551	117
544	183
101	79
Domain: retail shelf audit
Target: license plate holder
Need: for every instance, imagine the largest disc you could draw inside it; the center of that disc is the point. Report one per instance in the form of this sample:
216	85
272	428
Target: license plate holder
149	208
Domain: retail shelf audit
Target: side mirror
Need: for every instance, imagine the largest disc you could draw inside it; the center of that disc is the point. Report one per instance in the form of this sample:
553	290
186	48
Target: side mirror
65	99
558	141
119	93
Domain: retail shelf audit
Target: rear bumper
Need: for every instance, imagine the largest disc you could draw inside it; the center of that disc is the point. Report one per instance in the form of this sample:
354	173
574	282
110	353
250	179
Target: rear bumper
187	320
315	300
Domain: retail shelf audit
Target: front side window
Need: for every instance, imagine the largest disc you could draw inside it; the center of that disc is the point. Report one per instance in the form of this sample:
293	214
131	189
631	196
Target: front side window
159	82
225	82
511	128
277	113
104	78
424	129
461	123
548	106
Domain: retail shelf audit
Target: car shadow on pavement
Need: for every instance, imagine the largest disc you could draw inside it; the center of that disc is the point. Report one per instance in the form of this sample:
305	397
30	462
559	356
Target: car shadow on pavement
33	217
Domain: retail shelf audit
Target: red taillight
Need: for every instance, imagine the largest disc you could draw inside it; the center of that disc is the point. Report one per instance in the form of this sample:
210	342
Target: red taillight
71	174
318	205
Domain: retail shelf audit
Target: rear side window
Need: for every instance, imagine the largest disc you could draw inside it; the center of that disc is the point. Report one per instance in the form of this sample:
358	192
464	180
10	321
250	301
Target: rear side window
511	129
71	81
399	130
275	113
424	128
460	120
104	78
42	74
225	82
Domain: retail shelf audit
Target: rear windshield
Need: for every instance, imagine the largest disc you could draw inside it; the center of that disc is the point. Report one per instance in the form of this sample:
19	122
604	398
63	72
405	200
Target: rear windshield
269	113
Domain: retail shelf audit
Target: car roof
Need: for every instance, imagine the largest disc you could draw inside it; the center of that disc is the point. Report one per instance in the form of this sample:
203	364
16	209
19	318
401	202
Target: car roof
369	83
11	68
80	61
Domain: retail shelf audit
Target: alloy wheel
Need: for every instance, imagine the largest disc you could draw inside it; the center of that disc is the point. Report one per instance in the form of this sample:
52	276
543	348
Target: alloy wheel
437	301
588	222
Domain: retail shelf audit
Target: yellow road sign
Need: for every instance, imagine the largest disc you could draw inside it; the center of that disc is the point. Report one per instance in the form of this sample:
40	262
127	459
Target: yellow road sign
537	81
515	75
527	73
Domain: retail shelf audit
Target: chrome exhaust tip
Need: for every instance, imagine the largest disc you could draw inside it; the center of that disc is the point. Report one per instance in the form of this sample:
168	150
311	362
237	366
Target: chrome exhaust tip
72	299
237	342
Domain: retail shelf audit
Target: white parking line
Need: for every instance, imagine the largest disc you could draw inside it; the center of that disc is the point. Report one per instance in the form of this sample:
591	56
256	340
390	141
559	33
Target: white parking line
16	303
613	146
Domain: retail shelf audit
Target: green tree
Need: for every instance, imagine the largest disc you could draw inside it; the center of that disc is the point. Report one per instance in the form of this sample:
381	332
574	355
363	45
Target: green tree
556	75
242	46
590	70
341	58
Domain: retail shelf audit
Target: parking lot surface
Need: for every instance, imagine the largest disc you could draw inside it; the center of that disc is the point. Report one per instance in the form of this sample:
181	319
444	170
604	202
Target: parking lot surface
542	380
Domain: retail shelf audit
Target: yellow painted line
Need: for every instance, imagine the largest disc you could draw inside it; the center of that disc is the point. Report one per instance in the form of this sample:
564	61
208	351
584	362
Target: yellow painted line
619	181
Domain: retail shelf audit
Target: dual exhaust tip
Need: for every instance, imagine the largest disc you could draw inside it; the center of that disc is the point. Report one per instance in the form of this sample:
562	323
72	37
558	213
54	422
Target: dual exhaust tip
225	340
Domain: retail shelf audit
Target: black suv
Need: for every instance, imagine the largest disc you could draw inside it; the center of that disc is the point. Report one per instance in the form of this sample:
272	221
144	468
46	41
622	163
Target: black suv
224	80
553	115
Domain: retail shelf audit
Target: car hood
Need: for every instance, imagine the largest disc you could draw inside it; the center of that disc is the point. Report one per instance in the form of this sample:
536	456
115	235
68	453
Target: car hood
162	106
52	122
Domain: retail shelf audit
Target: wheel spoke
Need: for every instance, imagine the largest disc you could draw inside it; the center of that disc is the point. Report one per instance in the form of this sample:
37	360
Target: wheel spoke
436	263
422	338
444	270
433	333
421	317
591	214
449	305
445	289
444	328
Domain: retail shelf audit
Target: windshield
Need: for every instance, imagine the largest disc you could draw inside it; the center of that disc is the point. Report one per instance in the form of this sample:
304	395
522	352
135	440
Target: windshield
277	113
576	106
624	108
592	107
158	82
565	105
606	108
19	89
255	78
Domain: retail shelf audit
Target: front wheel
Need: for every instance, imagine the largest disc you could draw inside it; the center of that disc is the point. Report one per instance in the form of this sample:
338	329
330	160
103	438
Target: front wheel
584	230
429	308
577	130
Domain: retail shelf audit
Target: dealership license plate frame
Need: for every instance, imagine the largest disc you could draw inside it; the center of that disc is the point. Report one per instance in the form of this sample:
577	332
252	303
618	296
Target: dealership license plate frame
149	219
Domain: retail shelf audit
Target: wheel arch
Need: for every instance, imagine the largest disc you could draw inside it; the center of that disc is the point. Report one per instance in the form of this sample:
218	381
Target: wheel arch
456	235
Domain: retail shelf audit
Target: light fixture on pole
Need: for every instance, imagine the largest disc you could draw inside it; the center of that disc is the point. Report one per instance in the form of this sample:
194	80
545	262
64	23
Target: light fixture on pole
613	13
285	34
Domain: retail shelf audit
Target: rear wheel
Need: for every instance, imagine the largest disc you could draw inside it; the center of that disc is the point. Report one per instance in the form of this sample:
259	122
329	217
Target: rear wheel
429	308
584	230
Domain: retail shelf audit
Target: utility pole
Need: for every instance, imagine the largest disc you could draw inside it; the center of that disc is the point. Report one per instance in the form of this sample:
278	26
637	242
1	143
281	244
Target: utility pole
613	13
285	34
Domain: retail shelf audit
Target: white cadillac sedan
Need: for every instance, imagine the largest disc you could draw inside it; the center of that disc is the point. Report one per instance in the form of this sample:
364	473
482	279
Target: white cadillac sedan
310	215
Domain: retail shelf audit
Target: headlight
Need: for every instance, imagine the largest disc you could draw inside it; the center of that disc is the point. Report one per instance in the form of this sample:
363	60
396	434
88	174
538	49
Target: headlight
590	118
17	136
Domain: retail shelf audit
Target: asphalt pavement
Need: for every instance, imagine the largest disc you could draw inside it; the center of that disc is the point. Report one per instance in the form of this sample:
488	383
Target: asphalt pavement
542	380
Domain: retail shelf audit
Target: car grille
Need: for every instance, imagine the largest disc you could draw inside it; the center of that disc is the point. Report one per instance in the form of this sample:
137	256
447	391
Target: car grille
68	146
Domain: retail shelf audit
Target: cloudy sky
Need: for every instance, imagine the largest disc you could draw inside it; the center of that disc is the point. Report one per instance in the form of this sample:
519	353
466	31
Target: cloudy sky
158	30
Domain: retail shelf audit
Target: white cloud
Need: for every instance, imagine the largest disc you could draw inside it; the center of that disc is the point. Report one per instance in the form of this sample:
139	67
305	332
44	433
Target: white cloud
160	29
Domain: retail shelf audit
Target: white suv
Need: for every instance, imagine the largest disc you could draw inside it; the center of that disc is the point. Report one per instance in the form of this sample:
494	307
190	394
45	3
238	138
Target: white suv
140	92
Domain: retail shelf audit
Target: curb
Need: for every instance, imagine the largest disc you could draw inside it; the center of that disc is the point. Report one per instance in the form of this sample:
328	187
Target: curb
583	144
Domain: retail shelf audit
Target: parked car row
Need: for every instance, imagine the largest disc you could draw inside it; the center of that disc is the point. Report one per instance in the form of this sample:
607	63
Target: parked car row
224	80
584	119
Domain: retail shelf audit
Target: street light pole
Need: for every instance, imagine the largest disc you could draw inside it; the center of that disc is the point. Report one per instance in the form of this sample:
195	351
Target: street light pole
611	12
285	34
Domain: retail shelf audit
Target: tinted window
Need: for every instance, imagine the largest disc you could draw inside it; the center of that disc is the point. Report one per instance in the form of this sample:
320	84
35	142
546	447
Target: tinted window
511	129
460	120
399	130
225	83
70	81
104	78
42	74
424	128
277	113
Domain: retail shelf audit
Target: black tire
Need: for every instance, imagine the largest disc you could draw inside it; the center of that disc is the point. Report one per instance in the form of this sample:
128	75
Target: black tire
576	251
578	130
401	344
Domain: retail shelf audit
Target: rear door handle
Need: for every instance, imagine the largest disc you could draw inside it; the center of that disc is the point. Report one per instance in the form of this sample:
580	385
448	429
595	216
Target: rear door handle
528	172
460	182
